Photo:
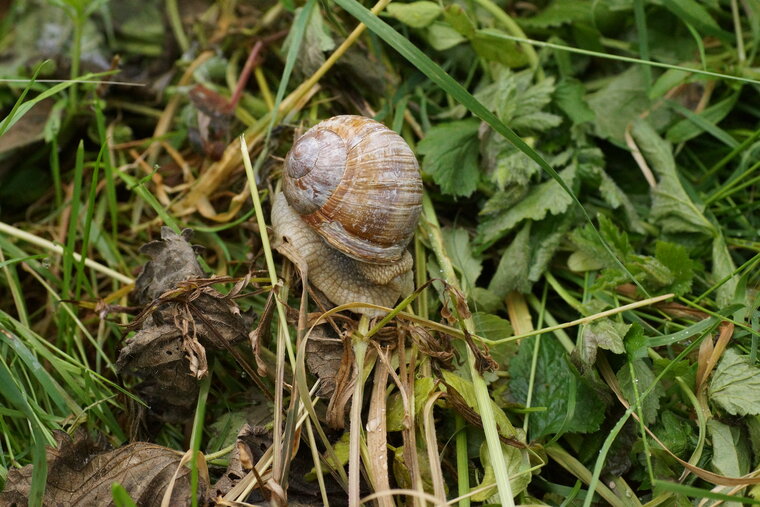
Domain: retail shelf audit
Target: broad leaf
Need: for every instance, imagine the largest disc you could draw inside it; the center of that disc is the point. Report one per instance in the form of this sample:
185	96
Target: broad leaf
450	155
735	384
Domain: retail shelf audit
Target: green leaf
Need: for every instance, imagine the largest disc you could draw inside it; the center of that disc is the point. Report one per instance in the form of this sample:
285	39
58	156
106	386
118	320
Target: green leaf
722	267
518	101
635	342
602	334
681	267
730	450
511	273
675	432
527	256
489	46
467	392
396	410
643	377
548	198
120	496
570	97
506	164
441	36
518	467
491	327
341	448
457	242
692	12
570	405
415	14
672	208
558	13
450	155
705	121
735	384
619	103
456	16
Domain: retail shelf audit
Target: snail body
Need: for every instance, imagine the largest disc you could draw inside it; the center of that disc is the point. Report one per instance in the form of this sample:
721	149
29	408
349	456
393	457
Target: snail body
352	196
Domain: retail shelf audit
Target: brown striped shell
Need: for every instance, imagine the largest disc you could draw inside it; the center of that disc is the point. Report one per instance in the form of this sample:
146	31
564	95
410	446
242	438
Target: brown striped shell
357	184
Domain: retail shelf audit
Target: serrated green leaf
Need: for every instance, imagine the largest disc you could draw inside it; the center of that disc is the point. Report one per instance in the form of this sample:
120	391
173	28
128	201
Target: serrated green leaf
505	164
457	242
570	97
643	377
735	384
548	198
571	406
415	14
676	259
450	156
517	100
675	432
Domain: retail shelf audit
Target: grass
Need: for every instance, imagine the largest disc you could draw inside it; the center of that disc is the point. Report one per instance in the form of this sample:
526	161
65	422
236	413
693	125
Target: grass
608	329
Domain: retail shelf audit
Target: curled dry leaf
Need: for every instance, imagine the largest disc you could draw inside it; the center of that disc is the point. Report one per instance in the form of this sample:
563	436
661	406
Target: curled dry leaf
183	315
81	472
324	355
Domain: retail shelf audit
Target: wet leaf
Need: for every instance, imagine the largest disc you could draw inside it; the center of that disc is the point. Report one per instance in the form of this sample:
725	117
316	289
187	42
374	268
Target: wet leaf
644	378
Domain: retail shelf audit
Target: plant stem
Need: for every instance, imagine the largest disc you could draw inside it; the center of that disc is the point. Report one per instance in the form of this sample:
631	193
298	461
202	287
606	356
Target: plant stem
354	464
435	239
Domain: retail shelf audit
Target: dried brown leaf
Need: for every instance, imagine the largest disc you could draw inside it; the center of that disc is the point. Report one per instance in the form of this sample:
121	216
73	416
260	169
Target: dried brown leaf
81	472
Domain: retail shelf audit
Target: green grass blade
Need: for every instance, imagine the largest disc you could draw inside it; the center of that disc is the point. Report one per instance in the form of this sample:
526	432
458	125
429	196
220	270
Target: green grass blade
16	112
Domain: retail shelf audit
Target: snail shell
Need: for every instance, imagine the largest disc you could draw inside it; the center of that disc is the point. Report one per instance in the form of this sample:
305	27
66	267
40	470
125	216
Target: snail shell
357	184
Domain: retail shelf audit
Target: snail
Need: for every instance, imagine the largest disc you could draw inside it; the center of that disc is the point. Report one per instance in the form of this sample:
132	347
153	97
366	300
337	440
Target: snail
351	200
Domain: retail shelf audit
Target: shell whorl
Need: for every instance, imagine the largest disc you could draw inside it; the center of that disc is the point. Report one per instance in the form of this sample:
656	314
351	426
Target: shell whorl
357	184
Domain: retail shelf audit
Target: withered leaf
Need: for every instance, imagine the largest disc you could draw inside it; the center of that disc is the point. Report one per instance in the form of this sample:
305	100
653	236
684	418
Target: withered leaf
172	261
155	355
323	358
81	472
183	314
